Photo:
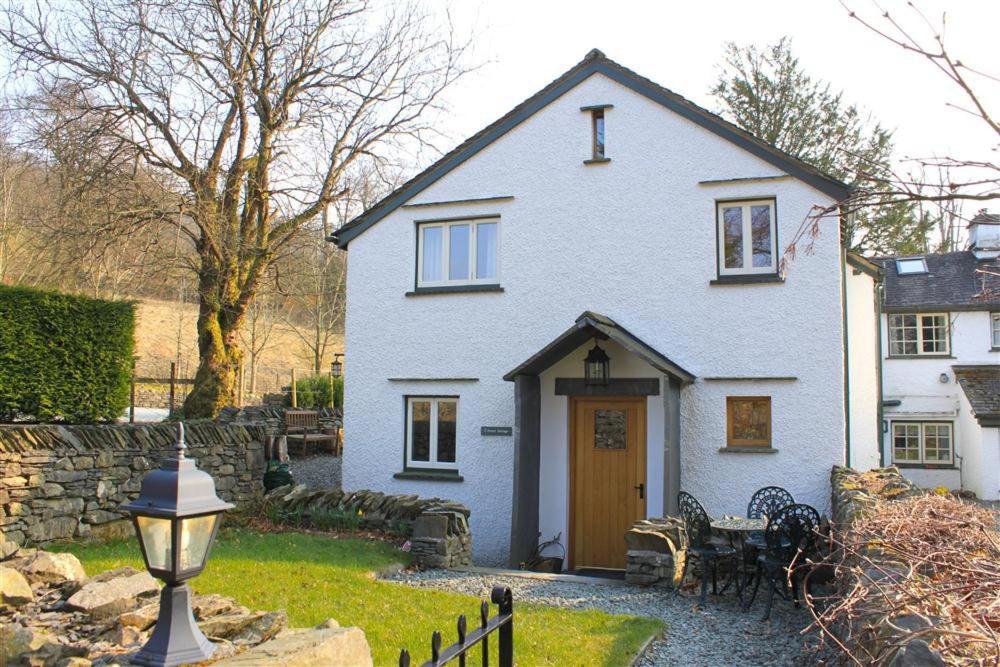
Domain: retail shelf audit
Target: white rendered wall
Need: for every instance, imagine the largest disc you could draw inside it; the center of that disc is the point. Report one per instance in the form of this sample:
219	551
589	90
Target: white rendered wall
990	470
863	361
634	239
917	384
972	459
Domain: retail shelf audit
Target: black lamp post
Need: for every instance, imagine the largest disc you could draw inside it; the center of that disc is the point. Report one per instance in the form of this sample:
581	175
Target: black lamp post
337	368
176	517
595	367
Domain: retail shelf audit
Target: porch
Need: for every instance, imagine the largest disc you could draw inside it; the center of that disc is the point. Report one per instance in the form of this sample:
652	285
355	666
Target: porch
608	452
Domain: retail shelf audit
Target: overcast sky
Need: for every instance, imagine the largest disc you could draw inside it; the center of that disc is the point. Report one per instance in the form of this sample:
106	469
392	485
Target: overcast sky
527	43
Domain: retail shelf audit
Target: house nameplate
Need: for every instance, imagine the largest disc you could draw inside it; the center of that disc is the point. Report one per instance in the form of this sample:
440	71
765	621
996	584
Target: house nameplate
496	430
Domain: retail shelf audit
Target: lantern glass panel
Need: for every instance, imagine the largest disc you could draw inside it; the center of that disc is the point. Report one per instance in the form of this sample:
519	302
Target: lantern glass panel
156	541
196	535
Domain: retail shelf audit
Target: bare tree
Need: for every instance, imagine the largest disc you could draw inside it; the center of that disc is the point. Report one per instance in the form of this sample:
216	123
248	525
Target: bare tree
959	178
255	108
257	329
15	179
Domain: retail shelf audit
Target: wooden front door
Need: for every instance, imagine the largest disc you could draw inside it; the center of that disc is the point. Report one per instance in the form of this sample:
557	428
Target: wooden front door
607	438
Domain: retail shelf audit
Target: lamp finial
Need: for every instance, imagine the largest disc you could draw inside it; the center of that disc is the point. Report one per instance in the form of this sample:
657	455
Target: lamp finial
180	440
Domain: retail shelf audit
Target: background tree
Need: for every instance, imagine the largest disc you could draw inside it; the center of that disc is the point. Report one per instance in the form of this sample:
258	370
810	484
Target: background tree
262	315
253	109
767	92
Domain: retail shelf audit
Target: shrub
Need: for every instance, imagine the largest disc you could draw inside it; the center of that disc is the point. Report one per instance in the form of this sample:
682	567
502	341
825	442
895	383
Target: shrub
63	357
314	391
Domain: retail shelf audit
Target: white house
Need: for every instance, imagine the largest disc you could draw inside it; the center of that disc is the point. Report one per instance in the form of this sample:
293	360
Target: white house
604	215
940	332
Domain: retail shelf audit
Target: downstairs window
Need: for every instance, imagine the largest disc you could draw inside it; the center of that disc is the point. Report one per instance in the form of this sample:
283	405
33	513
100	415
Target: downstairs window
922	443
431	432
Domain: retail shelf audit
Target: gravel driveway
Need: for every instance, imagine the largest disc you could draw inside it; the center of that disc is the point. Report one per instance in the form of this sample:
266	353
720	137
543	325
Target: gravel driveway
720	635
320	471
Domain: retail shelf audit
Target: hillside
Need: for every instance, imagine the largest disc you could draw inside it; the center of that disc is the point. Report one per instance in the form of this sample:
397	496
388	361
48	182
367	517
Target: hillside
165	331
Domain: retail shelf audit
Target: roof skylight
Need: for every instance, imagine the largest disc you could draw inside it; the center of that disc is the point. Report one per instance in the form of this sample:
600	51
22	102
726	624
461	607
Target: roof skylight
911	265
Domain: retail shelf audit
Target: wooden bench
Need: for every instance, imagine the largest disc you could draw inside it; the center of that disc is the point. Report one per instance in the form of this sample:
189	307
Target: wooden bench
302	426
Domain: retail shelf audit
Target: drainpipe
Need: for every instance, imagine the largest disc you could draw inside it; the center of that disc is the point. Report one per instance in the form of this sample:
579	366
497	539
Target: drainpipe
880	414
847	368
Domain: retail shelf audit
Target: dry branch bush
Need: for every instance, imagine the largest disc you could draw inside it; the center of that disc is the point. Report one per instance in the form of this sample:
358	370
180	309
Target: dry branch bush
925	566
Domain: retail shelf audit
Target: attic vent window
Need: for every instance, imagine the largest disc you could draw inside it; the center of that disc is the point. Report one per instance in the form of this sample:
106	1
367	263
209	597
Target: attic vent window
911	265
598	147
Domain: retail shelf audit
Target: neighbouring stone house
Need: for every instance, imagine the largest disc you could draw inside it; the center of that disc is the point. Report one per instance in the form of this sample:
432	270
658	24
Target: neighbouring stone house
605	220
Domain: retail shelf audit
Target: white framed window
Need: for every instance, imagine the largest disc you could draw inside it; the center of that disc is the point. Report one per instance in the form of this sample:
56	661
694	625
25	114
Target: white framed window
915	334
747	237
922	442
432	432
458	252
909	265
995	330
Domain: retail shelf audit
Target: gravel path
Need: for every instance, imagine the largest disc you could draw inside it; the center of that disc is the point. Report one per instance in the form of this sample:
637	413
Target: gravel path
721	635
322	470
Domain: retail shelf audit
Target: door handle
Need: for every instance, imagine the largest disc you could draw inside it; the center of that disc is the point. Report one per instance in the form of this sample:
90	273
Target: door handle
642	491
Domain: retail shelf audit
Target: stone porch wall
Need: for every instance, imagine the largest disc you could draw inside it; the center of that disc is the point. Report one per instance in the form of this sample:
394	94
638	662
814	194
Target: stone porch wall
60	482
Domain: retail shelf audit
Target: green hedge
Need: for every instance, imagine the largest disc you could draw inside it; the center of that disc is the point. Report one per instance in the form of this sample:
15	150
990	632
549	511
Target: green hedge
63	357
314	392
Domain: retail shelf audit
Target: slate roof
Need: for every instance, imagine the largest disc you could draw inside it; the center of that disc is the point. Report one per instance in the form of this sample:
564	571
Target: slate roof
594	62
954	281
981	385
585	328
986	218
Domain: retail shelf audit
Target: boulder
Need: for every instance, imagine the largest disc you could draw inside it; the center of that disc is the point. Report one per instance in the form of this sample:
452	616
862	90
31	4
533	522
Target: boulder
112	593
53	568
14	589
8	548
317	647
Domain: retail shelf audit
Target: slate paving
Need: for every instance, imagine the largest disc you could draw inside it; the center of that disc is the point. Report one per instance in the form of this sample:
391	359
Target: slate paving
719	635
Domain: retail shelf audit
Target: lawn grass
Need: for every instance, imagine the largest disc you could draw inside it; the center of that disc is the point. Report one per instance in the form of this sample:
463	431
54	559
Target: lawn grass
313	578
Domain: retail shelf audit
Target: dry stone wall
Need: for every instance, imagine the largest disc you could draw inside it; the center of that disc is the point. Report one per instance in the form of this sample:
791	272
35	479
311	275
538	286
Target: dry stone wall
438	530
60	482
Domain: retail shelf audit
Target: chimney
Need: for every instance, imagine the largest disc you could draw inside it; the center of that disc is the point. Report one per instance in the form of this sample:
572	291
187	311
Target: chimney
984	235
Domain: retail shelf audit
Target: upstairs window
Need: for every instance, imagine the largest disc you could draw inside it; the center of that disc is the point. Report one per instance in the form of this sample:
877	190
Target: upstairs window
912	335
747	237
910	265
995	330
598	147
458	252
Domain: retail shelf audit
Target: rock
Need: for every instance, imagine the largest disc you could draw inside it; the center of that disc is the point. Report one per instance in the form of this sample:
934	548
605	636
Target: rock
917	653
56	528
228	625
74	662
430	525
53	568
113	592
28	646
142	618
317	647
206	606
14	589
262	629
113	530
8	548
127	636
648	540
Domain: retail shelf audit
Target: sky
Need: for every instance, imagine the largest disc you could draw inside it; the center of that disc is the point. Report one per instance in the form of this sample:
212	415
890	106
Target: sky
524	44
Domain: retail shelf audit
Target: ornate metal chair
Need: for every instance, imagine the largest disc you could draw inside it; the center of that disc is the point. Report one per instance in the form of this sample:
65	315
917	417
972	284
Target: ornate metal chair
699	530
765	503
790	538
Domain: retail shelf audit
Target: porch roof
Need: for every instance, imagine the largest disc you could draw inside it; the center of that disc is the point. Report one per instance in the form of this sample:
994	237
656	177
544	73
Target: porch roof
594	325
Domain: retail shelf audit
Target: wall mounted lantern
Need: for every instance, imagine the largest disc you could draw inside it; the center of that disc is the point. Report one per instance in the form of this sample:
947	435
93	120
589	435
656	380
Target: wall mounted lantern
176	517
337	367
595	367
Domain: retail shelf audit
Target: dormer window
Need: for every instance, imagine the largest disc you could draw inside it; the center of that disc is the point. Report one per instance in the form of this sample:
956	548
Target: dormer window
598	147
911	265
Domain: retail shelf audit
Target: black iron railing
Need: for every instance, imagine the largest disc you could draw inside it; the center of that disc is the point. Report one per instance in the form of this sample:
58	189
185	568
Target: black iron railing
502	624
